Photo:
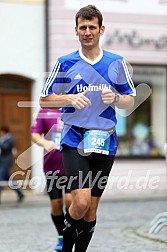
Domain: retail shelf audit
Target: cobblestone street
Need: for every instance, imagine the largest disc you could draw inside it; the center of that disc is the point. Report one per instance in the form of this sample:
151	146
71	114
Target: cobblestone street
28	227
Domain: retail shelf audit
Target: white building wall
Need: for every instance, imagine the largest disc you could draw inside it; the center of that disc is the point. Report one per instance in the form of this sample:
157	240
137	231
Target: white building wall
122	6
22	51
148	18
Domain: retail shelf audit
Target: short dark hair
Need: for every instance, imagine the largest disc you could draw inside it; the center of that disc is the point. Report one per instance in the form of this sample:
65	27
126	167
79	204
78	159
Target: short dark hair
89	12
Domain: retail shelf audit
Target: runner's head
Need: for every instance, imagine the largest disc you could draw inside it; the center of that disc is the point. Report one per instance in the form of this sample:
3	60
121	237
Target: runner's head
89	12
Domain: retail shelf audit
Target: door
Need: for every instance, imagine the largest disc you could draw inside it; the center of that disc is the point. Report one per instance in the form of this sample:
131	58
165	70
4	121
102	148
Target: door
12	90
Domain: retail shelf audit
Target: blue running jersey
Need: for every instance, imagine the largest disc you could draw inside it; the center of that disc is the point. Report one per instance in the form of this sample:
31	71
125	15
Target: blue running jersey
73	74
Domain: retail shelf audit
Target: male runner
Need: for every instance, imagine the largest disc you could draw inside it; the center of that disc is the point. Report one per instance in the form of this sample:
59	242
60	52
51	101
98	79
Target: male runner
87	84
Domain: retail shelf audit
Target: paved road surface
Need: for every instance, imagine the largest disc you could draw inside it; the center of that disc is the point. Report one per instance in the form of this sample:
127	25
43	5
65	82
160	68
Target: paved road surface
28	227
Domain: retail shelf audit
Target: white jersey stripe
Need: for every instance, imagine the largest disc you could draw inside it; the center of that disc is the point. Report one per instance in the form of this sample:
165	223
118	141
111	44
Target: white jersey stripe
127	73
52	72
128	76
51	75
51	78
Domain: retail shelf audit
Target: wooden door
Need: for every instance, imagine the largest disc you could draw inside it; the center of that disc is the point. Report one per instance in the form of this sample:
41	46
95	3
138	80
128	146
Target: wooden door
12	90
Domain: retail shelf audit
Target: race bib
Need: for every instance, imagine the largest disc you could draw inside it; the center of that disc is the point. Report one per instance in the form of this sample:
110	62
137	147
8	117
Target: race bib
97	141
56	137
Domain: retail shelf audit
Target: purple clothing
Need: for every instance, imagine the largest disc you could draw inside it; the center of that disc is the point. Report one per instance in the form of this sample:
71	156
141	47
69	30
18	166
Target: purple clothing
48	123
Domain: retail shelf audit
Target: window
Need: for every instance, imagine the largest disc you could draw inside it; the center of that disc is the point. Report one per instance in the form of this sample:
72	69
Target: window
143	132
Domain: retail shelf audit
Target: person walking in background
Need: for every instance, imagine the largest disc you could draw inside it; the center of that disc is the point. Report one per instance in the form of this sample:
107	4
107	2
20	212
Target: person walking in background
88	84
46	132
6	161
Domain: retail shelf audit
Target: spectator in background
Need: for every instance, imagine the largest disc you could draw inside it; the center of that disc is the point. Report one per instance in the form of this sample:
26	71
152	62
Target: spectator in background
46	132
6	160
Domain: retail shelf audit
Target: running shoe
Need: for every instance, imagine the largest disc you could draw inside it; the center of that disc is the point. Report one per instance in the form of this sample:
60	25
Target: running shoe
59	245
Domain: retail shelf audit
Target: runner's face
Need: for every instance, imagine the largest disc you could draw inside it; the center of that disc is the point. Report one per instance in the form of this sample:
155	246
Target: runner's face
89	32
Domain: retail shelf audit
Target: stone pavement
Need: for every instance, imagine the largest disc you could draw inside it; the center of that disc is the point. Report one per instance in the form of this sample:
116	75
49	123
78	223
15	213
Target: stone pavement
122	225
136	193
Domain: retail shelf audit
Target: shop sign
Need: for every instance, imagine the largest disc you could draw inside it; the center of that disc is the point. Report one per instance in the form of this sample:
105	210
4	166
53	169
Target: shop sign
134	39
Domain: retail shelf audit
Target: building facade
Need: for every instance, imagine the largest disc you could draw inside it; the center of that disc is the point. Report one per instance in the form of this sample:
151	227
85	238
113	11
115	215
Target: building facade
34	33
22	67
137	30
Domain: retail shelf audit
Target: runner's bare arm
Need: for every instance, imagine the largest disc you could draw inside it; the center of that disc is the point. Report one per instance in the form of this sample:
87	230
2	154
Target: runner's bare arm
123	101
54	101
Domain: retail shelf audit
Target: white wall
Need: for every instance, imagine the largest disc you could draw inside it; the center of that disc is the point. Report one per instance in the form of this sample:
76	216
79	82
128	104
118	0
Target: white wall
143	23
22	51
122	6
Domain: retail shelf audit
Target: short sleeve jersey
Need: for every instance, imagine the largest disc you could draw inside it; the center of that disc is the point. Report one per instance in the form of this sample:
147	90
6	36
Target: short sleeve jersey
48	122
73	74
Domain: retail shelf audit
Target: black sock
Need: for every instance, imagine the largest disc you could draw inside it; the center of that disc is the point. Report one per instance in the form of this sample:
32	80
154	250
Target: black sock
58	222
71	230
84	238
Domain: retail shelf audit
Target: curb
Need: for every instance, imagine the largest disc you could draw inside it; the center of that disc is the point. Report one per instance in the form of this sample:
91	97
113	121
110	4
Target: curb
144	233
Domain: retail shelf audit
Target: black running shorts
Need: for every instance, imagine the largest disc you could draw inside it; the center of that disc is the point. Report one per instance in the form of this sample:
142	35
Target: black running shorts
86	171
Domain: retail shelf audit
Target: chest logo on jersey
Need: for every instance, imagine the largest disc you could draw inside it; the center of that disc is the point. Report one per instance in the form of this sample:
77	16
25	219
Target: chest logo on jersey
91	87
78	77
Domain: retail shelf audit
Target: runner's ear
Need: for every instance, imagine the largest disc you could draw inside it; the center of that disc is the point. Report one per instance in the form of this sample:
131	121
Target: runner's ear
76	31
